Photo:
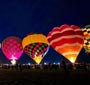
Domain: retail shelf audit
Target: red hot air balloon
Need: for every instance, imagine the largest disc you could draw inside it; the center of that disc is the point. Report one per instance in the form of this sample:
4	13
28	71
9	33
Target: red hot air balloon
67	40
12	48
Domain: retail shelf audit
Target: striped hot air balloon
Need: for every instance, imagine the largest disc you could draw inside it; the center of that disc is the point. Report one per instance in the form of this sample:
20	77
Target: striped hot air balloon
67	40
86	32
36	46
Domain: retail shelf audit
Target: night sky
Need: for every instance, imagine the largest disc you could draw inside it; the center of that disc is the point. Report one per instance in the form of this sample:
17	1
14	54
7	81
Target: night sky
20	17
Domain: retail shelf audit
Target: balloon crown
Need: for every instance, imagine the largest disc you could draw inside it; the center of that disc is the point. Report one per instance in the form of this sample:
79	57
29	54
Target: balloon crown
33	33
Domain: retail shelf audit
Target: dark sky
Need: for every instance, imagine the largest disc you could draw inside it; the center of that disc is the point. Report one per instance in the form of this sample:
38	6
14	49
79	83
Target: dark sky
20	17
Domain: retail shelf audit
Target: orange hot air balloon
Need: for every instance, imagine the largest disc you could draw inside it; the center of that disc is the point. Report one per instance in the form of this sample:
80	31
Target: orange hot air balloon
67	40
36	46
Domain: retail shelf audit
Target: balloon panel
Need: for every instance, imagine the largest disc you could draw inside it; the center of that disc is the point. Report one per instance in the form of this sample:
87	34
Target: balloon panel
34	38
12	48
86	32
36	51
36	48
66	40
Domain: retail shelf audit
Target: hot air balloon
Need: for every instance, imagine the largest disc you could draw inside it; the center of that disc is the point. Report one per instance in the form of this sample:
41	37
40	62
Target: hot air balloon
35	46
86	32
67	40
12	48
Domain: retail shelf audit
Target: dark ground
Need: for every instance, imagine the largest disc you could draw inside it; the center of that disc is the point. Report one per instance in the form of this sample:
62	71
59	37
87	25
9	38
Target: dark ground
44	77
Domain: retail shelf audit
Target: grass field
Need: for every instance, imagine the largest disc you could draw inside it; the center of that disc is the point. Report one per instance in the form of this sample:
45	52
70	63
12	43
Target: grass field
43	77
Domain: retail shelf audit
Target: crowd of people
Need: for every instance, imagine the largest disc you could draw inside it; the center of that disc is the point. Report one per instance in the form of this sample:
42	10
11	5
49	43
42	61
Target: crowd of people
63	65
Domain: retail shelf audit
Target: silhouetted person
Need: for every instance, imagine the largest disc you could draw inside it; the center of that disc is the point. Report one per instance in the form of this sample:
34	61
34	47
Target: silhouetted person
63	65
84	66
16	66
20	67
49	65
70	66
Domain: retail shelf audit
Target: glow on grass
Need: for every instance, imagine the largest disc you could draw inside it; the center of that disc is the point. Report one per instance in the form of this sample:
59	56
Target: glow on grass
13	61
37	59
72	59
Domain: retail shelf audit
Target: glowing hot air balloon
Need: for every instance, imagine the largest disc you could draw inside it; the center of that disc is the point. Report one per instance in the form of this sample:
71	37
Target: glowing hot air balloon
86	32
67	40
12	48
35	46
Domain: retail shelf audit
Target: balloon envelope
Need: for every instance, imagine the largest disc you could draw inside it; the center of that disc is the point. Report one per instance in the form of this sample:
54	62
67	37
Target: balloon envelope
67	40
35	46
86	33
12	47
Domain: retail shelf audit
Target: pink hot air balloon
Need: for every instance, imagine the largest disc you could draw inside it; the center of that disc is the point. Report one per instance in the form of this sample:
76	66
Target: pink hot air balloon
12	48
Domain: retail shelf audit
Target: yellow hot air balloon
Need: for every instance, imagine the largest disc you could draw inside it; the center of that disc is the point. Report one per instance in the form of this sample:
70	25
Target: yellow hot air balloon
35	46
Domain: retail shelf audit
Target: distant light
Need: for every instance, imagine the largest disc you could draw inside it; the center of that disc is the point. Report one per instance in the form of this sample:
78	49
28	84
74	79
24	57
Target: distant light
45	63
54	63
29	64
58	63
24	64
6	64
